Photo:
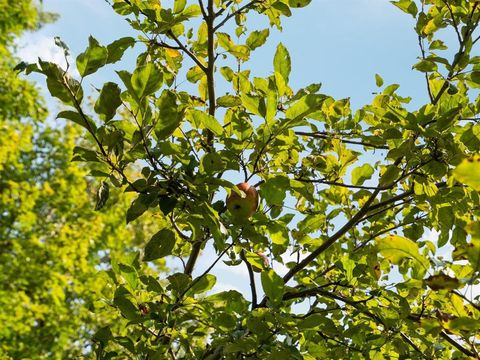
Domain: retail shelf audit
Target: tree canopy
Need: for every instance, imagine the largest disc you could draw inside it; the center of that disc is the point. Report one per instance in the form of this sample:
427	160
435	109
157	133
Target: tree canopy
52	242
346	195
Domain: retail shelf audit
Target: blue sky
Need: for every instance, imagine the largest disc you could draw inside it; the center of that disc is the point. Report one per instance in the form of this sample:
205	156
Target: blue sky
341	44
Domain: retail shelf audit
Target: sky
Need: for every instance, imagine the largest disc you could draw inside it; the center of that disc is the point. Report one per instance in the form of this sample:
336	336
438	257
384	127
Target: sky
341	44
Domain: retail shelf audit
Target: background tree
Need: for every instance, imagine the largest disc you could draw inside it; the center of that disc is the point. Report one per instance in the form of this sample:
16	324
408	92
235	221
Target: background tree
52	242
345	194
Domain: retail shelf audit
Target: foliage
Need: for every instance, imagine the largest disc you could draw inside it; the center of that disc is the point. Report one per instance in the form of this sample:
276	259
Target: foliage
350	192
52	242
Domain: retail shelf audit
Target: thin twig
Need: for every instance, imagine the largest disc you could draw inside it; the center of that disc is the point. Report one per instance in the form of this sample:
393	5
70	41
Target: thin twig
252	279
202	9
324	135
413	345
99	144
197	279
476	306
334	183
188	52
455	25
332	239
457	345
236	12
422	50
224	8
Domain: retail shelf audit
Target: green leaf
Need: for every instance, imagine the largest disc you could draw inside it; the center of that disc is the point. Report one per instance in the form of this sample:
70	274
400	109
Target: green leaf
204	284
464	324
83	154
192	11
257	38
169	116
378	80
167	203
256	260
282	62
179	6
160	245
117	48
122	301
274	190
305	106
178	282
475	77
207	121
224	321
146	80
243	345
468	172
58	90
108	101
103	335
74	116
272	286
254	104
139	206
129	274
211	163
228	101
195	74
362	173
278	234
390	175
425	66
397	248
298	3
93	58
407	6
318	321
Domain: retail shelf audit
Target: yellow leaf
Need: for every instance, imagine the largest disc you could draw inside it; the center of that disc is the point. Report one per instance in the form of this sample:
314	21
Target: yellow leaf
468	172
172	53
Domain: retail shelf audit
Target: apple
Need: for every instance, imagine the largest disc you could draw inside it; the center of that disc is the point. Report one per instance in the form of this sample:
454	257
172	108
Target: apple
242	207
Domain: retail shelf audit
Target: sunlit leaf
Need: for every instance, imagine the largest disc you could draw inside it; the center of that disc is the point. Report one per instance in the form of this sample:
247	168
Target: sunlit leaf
468	172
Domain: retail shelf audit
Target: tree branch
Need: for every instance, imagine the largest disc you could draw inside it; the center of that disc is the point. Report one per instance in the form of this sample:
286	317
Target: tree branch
252	279
456	60
358	306
188	52
334	183
224	8
422	50
455	25
202	9
331	240
457	345
99	144
197	279
238	11
324	135
388	230
476	306
413	345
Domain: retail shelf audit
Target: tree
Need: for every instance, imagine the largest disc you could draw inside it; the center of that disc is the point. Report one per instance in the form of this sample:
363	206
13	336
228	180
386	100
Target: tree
353	232
52	242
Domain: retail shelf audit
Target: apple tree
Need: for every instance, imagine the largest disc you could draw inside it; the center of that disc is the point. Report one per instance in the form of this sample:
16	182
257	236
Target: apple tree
346	195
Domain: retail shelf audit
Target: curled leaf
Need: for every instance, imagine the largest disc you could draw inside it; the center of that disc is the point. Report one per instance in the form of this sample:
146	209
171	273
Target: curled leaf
102	195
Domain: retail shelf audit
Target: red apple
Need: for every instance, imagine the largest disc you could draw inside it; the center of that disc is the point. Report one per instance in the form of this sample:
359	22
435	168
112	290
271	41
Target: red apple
242	207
